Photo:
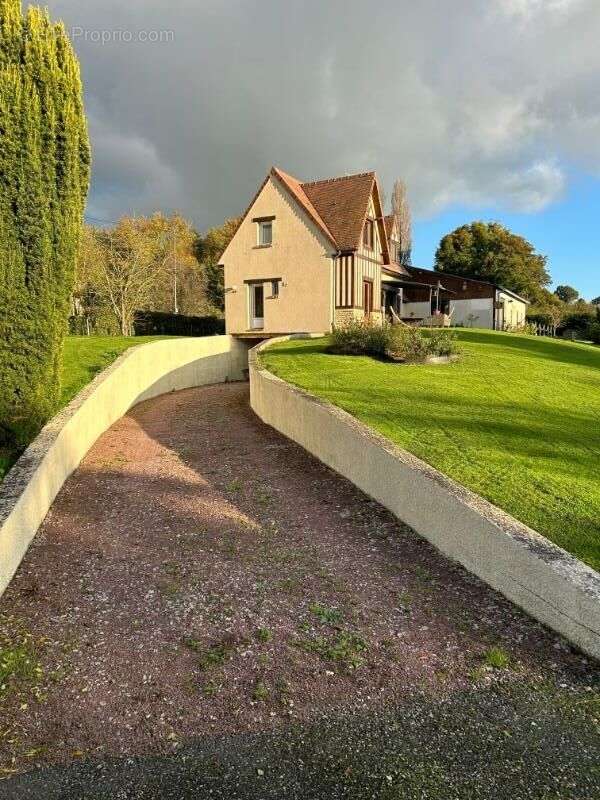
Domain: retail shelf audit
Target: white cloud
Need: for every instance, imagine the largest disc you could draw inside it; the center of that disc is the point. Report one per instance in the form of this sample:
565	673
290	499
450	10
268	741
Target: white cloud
530	8
481	102
533	188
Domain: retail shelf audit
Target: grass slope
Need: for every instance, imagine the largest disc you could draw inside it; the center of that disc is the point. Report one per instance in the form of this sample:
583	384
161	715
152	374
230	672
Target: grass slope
83	358
517	420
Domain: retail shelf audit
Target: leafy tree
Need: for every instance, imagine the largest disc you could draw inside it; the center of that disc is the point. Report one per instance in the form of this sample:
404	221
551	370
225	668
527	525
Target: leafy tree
566	293
402	213
44	178
209	250
596	301
132	264
114	266
489	251
579	318
179	284
89	306
547	309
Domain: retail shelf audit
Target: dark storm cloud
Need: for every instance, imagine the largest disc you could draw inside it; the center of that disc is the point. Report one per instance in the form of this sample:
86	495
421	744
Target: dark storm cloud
471	101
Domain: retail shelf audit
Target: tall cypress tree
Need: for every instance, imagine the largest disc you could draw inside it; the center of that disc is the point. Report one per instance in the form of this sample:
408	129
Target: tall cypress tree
44	179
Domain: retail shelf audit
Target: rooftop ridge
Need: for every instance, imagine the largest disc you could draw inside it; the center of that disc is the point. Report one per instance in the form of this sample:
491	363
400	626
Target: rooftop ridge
370	173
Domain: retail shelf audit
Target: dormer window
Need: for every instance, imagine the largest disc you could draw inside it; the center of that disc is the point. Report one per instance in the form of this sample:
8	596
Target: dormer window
369	234
265	231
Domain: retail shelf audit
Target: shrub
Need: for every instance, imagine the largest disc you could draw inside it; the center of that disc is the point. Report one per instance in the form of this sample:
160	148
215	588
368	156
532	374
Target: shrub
406	342
413	344
102	322
409	343
594	332
361	337
44	177
527	328
442	342
577	321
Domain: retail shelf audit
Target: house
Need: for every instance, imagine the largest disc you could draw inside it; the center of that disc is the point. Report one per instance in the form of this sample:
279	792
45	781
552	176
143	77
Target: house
307	256
468	302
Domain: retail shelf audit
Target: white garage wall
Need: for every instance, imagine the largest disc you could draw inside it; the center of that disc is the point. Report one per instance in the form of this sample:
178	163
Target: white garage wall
473	313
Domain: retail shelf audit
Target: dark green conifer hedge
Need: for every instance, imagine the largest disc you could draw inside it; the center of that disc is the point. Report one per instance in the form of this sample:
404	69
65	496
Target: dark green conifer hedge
44	178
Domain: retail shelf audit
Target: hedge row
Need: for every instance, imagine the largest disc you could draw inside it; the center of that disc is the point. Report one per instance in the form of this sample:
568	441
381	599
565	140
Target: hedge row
155	323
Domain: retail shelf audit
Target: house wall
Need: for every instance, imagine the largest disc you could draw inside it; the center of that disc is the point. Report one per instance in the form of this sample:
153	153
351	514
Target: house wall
463	288
301	256
473	313
515	311
368	265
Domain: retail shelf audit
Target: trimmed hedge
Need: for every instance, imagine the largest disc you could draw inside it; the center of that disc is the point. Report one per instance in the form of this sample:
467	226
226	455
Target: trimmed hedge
44	179
158	323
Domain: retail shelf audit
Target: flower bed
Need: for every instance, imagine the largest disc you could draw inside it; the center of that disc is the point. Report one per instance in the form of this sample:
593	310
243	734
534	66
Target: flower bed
404	344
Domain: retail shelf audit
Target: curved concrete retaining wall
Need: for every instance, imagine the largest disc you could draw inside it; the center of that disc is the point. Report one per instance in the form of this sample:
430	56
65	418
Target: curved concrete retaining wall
548	583
140	373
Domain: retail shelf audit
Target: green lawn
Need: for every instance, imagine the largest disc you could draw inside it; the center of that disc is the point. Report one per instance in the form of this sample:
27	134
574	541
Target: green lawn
517	420
83	358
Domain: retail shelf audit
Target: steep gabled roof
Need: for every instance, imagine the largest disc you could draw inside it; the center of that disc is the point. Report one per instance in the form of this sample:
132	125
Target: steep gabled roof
343	204
297	190
338	206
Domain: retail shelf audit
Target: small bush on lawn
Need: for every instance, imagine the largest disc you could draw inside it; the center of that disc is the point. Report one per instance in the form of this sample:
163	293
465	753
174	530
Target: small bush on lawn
407	343
361	337
414	345
527	329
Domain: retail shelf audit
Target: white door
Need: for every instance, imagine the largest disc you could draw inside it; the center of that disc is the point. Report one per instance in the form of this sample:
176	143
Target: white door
257	306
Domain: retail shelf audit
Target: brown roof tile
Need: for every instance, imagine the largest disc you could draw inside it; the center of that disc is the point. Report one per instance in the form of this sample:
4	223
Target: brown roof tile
338	206
343	204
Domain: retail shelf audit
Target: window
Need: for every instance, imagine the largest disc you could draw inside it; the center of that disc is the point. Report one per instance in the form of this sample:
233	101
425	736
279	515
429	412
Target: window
367	296
369	234
265	233
274	290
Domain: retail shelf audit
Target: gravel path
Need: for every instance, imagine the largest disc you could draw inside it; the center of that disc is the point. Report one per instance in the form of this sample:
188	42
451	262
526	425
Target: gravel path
208	607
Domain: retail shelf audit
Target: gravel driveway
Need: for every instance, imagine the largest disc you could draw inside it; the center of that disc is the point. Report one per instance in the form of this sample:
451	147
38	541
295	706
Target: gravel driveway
208	611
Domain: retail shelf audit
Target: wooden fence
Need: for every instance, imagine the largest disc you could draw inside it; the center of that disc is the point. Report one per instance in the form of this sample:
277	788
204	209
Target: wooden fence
546	330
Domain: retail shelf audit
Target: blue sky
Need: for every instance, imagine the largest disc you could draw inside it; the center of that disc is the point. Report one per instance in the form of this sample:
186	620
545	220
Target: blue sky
568	232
